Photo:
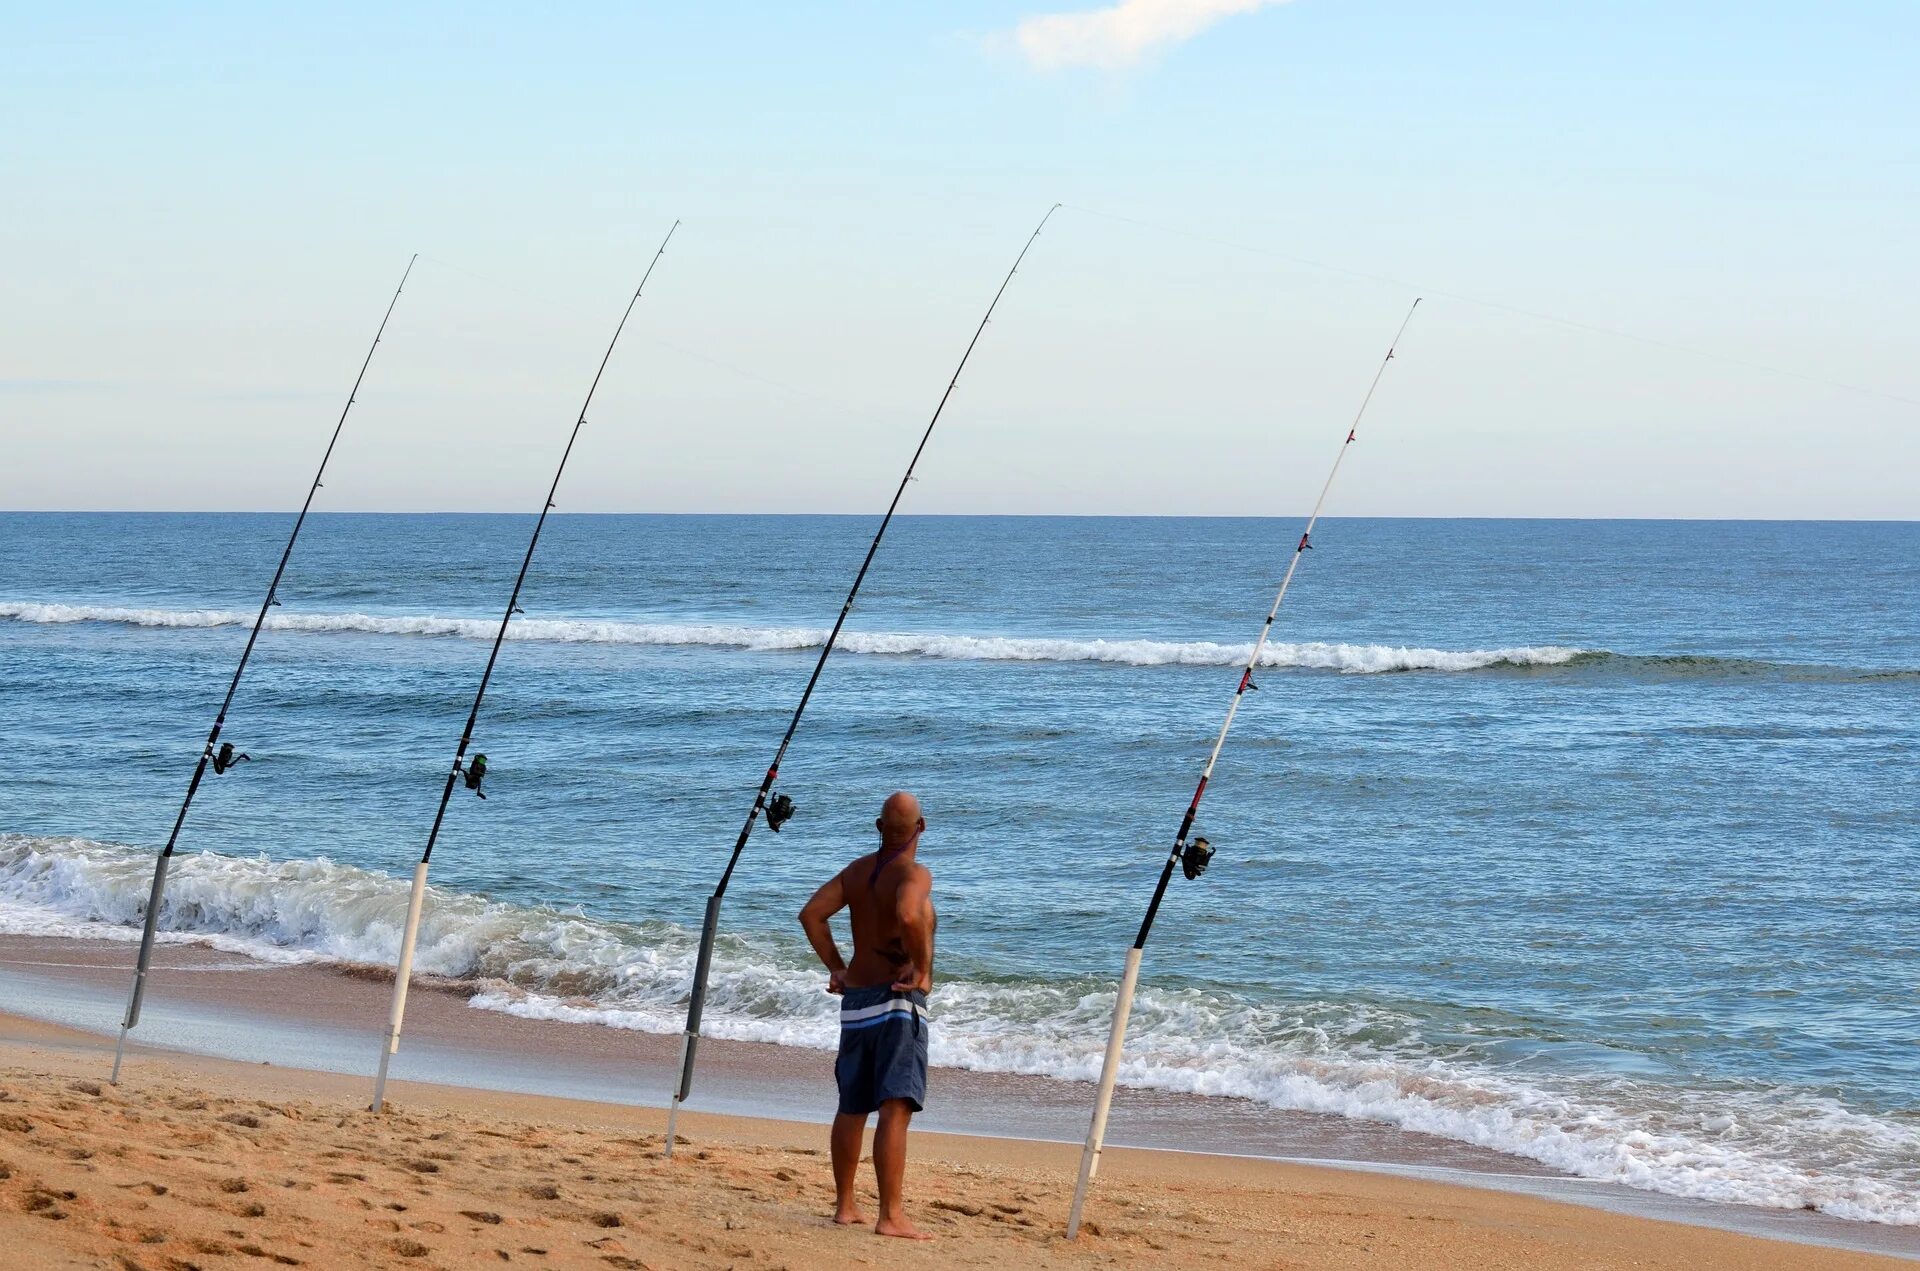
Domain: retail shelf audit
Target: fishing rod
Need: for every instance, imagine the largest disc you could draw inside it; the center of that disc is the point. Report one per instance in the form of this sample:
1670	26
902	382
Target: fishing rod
1194	854
226	757
473	772
778	808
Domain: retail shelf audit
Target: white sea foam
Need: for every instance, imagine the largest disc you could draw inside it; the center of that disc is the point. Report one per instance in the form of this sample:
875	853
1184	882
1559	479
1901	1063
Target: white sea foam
1781	1148
1356	659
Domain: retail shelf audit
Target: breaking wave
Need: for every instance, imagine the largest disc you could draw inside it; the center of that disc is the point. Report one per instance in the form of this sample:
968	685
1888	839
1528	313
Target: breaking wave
1349	659
1358	659
1777	1147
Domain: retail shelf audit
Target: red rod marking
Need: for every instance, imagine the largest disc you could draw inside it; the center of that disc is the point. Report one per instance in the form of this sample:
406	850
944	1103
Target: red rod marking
1200	790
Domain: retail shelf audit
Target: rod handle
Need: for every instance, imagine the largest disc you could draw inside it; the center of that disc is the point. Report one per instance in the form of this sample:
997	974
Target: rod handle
697	1001
154	899
403	972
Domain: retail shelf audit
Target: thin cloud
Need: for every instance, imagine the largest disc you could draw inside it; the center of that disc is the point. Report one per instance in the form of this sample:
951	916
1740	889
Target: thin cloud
1120	36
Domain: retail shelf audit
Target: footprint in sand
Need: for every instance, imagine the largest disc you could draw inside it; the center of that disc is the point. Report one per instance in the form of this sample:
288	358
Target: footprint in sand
46	1203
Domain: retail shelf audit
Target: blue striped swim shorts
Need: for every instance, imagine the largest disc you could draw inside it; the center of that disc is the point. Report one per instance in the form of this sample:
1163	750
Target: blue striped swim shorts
883	1048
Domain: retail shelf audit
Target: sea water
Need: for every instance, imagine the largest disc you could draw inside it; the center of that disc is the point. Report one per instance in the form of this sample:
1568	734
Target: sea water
1591	842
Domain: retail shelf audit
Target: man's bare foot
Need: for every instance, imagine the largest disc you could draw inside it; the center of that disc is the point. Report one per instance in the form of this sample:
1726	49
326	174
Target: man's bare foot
849	1216
901	1228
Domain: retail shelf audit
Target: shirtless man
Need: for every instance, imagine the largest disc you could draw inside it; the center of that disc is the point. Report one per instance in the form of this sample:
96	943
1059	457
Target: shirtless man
883	1005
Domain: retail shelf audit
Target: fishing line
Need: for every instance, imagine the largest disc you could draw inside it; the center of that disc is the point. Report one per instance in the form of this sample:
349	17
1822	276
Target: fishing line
779	808
221	755
1191	850
473	772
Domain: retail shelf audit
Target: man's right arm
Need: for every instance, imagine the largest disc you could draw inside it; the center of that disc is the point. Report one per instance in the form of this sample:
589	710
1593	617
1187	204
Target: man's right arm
814	920
915	909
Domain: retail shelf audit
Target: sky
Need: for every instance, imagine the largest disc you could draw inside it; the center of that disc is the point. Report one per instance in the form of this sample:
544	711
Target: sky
1667	255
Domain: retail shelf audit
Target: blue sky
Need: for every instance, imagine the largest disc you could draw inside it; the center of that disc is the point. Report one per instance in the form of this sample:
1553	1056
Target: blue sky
206	208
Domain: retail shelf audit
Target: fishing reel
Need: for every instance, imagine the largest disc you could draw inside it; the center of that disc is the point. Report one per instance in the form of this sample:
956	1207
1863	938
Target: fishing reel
474	773
225	758
779	811
1196	856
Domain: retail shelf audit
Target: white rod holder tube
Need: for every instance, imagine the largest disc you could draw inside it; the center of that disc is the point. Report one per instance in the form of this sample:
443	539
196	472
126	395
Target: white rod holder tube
1109	1074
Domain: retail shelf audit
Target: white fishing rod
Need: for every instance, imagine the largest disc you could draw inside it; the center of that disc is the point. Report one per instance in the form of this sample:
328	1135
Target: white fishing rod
224	757
1193	855
474	772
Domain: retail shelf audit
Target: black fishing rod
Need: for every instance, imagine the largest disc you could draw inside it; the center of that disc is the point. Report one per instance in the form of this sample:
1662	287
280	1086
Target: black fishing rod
778	808
1193	854
226	757
473	772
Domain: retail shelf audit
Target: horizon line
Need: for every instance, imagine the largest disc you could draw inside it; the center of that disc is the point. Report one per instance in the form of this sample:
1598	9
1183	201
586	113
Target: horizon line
1081	516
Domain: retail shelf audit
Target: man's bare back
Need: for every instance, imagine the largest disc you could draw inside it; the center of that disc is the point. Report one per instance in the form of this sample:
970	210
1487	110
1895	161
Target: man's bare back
874	887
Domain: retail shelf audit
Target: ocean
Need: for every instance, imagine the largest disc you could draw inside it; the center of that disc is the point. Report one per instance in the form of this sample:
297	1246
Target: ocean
1590	842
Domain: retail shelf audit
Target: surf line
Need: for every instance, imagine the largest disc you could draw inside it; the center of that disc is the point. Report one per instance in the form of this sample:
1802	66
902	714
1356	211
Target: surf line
225	757
473	771
1193	854
776	807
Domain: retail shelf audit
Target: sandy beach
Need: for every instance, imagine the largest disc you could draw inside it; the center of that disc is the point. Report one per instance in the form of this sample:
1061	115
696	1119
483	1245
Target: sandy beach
1323	599
197	1162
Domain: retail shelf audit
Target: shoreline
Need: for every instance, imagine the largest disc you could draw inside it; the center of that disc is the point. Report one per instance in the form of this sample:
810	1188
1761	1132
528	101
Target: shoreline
325	1020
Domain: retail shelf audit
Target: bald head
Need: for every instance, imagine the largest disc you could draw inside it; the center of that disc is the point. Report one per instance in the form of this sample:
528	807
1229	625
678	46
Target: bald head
900	820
